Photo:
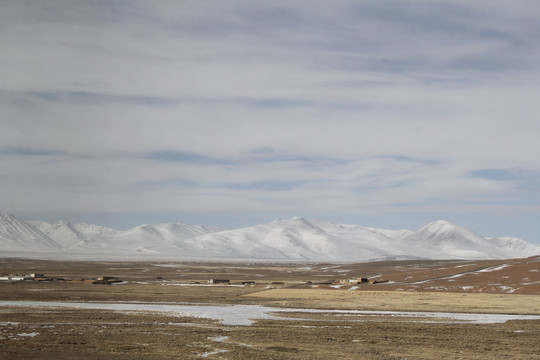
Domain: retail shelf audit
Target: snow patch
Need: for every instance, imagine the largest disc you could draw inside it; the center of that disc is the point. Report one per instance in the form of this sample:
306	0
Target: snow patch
496	268
32	334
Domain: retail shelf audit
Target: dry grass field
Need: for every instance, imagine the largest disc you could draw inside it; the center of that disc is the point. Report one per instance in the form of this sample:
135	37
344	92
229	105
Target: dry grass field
503	287
402	301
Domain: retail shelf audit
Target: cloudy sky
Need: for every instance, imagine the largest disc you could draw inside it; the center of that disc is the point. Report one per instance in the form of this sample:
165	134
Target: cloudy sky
388	114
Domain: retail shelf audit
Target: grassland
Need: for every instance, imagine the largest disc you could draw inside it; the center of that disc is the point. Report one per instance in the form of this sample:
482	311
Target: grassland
402	301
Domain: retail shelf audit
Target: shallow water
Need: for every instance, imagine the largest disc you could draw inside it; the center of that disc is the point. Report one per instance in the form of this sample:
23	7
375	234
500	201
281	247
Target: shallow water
247	314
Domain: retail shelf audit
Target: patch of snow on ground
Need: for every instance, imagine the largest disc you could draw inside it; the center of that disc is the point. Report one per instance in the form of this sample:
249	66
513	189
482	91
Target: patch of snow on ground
496	268
508	289
247	314
43	289
120	283
220	338
456	276
218	351
28	334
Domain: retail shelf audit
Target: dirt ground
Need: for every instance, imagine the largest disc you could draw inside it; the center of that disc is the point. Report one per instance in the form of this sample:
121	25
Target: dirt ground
67	334
64	333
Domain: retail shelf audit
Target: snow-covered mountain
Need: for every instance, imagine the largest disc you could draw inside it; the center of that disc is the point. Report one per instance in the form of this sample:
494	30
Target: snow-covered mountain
295	239
92	240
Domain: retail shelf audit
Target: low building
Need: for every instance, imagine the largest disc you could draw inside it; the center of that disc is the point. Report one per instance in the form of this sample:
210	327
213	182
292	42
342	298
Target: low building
219	281
107	280
15	277
353	281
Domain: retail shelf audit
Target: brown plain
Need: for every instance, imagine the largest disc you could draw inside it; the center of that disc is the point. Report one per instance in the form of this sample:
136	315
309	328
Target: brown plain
506	286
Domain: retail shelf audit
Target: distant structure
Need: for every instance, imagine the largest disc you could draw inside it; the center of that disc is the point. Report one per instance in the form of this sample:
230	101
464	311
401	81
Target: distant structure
354	281
107	280
15	277
18	277
219	281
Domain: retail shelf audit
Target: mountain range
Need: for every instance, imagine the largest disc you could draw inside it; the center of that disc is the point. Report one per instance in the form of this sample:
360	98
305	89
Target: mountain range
291	240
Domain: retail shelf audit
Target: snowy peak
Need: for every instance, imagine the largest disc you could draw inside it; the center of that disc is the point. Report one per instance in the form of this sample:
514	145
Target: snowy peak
458	242
442	232
296	222
442	227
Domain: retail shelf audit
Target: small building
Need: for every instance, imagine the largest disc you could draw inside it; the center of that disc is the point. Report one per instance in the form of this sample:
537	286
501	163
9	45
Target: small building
15	277
353	281
39	277
107	280
219	281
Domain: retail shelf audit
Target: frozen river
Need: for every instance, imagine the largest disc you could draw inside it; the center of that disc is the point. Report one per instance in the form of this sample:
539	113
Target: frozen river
247	314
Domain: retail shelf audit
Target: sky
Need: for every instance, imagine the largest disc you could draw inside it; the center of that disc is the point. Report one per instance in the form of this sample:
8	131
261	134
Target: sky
388	114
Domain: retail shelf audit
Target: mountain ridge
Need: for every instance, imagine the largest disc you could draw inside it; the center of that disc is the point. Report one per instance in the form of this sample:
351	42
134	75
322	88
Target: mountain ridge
294	239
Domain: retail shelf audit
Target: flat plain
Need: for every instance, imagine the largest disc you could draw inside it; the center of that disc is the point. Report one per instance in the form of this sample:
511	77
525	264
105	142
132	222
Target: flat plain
419	287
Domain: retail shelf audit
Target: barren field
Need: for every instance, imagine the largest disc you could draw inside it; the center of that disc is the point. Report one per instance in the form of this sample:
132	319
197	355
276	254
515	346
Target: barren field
297	331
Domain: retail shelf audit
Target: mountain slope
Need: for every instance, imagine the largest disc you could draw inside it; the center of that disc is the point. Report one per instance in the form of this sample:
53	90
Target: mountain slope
67	234
158	238
514	245
17	235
